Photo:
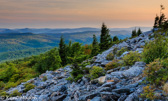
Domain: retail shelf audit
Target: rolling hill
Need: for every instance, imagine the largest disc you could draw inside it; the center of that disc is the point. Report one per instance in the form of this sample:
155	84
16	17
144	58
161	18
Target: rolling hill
26	42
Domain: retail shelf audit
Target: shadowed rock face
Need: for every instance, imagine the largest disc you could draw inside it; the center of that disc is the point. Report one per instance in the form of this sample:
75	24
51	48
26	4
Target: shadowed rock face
120	84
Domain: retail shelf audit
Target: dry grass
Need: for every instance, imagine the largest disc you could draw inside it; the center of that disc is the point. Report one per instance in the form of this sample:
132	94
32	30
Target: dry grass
165	88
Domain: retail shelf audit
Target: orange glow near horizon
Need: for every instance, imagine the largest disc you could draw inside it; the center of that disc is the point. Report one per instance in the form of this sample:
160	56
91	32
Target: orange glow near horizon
78	13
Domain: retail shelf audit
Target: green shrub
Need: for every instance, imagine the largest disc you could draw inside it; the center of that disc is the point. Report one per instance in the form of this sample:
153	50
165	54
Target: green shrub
121	51
155	49
10	84
111	65
3	94
28	86
148	92
2	85
131	58
78	77
76	73
110	56
165	62
115	50
95	72
156	74
15	93
70	79
44	78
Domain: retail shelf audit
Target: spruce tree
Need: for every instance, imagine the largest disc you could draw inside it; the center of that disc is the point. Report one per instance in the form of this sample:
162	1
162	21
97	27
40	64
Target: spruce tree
162	20
115	39
156	24
95	45
134	33
105	39
63	51
139	32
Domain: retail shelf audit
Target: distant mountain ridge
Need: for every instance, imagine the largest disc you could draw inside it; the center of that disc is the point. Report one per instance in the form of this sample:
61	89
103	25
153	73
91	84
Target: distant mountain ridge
30	41
64	30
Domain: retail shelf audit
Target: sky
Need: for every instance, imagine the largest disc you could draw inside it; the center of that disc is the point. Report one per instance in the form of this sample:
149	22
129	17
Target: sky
79	13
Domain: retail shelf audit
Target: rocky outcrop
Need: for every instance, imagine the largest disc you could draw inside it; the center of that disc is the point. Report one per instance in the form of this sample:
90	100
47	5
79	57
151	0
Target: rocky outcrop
120	84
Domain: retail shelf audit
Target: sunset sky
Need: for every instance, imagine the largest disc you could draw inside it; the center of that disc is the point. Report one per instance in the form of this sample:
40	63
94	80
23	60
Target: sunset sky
79	13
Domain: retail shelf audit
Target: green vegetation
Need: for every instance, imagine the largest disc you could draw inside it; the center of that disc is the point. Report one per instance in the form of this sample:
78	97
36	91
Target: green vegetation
155	54
96	72
115	50
13	55
44	78
95	46
48	61
15	93
110	56
62	51
131	58
15	72
121	51
28	86
3	94
105	39
115	39
76	73
111	65
155	49
156	74
148	92
136	33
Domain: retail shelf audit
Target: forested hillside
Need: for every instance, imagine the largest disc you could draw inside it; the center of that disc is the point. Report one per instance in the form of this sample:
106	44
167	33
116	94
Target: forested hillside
21	43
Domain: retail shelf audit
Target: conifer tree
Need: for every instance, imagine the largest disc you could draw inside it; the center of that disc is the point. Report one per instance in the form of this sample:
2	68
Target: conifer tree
115	39
105	39
162	20
156	24
63	51
134	33
139	32
95	45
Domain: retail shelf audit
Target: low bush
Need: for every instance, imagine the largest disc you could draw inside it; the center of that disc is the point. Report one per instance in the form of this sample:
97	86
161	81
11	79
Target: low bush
10	84
2	85
76	73
44	78
70	79
110	56
121	51
148	92
95	72
78	77
155	49
156	74
15	93
111	65
115	50
3	94
131	58
28	86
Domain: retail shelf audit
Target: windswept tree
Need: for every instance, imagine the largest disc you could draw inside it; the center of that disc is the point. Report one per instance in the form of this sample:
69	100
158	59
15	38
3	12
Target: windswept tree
63	51
139	32
156	23
105	38
95	45
162	20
